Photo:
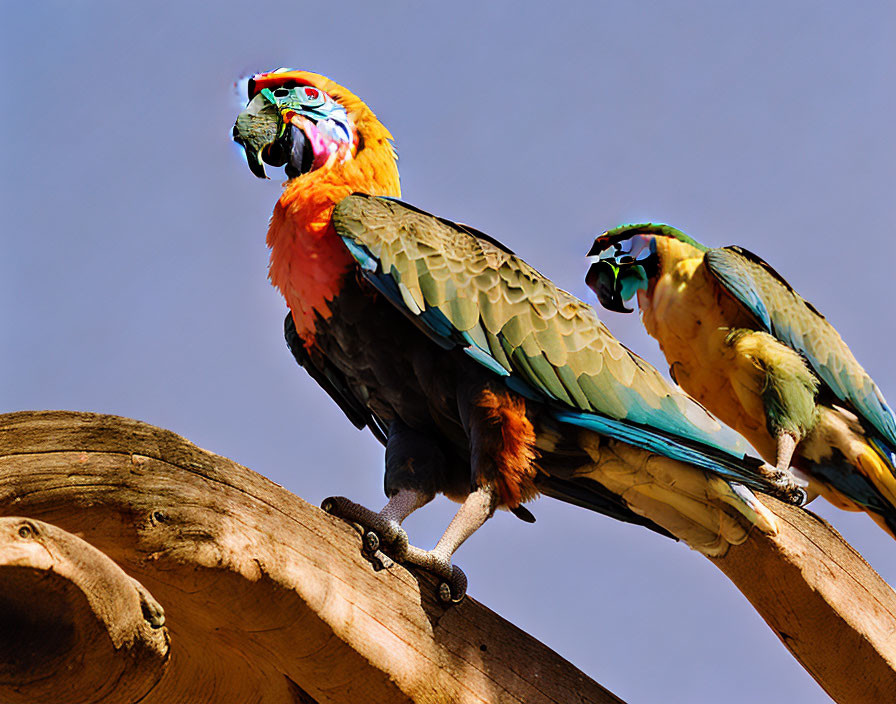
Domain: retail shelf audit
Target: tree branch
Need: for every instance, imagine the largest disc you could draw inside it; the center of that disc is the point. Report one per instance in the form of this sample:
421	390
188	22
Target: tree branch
267	599
62	602
826	604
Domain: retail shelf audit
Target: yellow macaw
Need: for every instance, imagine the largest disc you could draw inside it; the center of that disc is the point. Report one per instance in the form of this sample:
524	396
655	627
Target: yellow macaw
745	344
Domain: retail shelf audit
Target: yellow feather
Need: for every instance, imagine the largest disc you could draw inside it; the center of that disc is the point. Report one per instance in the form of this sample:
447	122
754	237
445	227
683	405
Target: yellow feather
702	510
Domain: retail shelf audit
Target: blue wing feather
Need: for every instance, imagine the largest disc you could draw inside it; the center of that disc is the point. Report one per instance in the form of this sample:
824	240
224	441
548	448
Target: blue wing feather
720	452
783	313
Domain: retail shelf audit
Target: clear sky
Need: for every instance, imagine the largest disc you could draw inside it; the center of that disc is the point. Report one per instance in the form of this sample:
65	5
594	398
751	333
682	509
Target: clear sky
133	275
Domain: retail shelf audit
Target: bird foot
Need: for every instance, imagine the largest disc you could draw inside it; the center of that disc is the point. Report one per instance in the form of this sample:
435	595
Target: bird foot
383	538
787	486
453	586
374	528
378	530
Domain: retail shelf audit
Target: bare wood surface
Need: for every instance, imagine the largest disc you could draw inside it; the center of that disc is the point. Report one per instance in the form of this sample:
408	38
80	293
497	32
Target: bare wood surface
72	622
266	598
824	601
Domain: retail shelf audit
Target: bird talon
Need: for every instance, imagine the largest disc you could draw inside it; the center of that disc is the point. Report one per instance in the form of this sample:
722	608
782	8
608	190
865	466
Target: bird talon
371	542
454	589
787	487
347	510
380	561
343	508
378	533
398	546
329	505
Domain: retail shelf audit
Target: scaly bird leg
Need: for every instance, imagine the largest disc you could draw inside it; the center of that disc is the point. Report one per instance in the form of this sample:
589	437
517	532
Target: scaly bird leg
383	527
786	446
475	510
791	488
400	506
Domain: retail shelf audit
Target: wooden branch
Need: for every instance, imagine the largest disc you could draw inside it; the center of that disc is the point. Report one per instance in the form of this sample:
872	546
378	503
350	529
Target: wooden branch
267	599
62	602
826	604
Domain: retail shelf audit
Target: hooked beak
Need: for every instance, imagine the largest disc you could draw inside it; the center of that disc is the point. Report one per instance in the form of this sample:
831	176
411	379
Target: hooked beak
260	130
603	279
600	244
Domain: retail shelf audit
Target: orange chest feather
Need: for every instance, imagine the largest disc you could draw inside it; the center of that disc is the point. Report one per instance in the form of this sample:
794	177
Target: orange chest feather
308	261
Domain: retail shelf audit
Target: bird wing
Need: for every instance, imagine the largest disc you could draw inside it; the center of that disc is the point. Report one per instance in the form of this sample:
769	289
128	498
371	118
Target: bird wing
783	313
331	380
467	291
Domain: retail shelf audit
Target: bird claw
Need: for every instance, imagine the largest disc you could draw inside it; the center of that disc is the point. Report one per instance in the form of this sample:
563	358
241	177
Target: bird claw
371	542
379	560
383	541
377	530
454	589
367	522
787	487
453	586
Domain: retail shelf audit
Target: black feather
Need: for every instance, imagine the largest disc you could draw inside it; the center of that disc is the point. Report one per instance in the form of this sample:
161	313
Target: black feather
331	380
587	493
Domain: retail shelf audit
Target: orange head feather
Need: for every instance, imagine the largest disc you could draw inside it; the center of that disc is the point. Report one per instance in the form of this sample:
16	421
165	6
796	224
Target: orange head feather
308	260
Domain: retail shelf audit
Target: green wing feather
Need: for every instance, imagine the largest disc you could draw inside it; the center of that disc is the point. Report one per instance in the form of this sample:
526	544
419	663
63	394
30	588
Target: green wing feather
783	313
463	284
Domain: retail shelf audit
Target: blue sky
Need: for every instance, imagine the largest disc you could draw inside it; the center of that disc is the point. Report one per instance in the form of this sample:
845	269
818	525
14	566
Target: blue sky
133	279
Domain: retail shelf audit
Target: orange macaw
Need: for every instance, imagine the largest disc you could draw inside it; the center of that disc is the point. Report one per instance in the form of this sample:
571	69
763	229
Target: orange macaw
485	381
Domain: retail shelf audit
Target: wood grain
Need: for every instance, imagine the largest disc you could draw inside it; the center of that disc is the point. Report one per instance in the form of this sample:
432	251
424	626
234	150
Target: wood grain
267	599
824	601
74	627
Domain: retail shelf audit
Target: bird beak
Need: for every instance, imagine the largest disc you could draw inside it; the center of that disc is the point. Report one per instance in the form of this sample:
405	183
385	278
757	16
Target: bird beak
600	244
267	139
603	279
257	128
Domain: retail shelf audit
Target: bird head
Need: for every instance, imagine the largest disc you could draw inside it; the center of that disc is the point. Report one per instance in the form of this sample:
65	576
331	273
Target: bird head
302	121
627	261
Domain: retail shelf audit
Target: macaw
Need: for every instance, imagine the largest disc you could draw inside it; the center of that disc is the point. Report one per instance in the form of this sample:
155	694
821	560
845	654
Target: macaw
484	381
740	340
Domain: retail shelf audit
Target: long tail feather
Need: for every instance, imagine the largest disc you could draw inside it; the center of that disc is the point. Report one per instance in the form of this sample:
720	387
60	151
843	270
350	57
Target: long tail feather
706	511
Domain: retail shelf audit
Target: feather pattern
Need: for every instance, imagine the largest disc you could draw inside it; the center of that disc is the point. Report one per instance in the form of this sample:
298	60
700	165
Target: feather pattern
783	313
544	341
742	341
475	402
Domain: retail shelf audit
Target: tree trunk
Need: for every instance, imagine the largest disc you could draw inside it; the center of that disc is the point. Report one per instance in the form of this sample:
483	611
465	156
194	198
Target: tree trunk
266	598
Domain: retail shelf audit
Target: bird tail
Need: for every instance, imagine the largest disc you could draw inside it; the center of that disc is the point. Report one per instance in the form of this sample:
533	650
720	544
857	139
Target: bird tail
863	481
742	469
708	512
585	492
878	463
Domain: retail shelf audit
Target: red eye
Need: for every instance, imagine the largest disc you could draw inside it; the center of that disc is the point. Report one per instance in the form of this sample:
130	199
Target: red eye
311	93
